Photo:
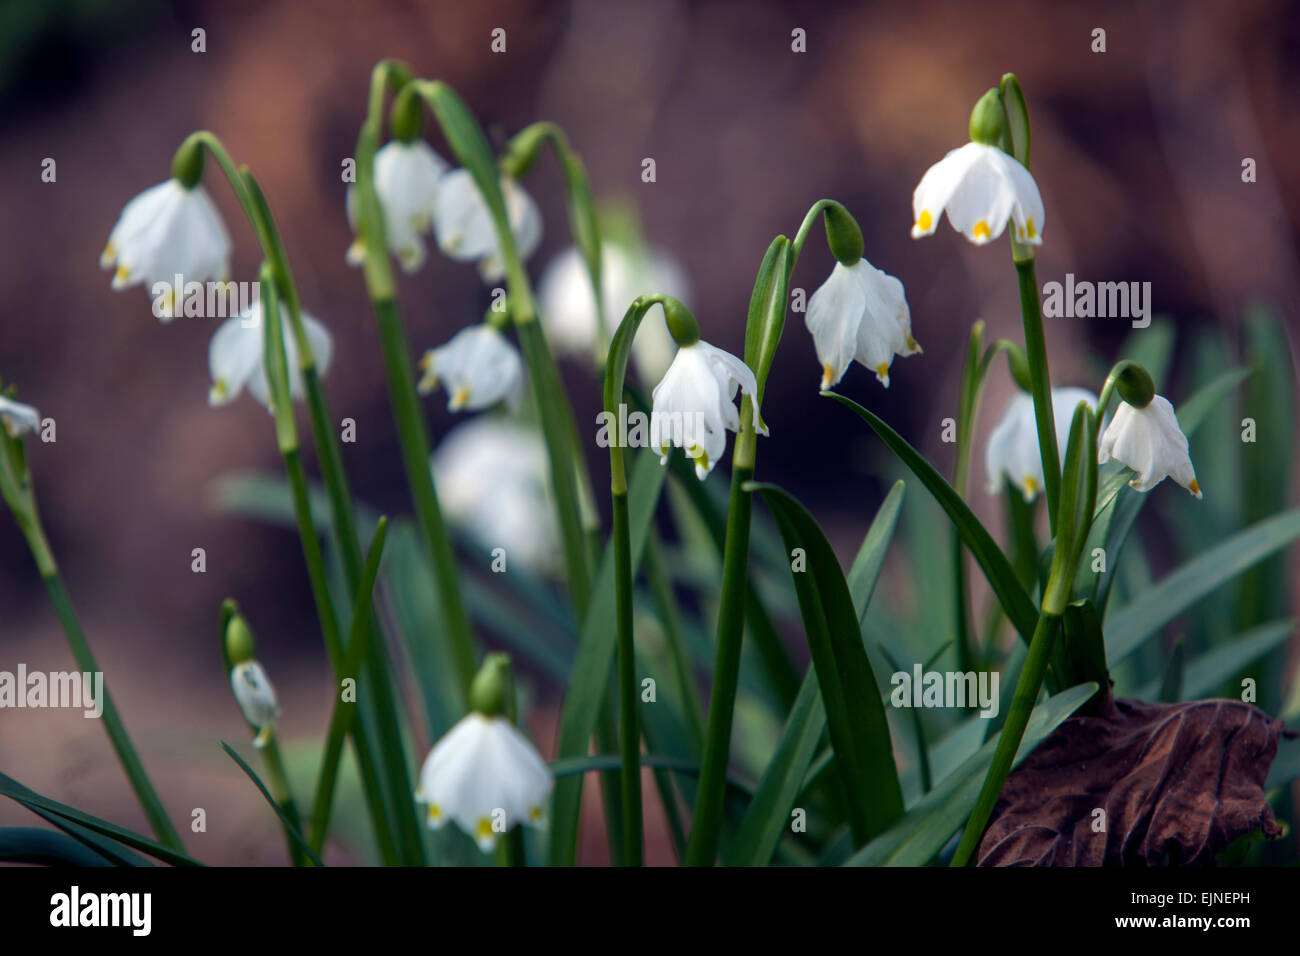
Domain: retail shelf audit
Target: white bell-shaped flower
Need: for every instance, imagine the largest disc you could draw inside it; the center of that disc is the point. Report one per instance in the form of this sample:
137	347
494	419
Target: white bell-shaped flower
464	229
487	777
980	187
1012	452
569	309
406	184
1149	441
17	417
256	698
492	478
692	406
166	231
236	359
861	313
478	367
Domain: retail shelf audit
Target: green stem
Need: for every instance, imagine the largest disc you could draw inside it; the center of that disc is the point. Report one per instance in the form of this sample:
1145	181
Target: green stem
278	784
1022	704
629	733
1040	383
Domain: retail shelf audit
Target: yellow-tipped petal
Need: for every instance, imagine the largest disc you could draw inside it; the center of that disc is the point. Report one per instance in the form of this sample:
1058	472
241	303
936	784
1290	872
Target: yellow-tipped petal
1195	488
925	220
459	399
1033	231
882	373
981	230
828	376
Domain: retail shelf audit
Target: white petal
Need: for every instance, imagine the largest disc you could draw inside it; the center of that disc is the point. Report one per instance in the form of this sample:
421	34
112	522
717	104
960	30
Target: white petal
17	417
835	311
254	694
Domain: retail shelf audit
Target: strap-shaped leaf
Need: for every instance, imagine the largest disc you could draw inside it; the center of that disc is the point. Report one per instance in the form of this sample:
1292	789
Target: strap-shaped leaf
856	719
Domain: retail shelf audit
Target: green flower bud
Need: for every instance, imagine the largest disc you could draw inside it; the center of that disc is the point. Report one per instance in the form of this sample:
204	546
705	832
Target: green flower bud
681	324
988	120
237	641
408	115
522	151
1135	386
843	235
187	164
492	689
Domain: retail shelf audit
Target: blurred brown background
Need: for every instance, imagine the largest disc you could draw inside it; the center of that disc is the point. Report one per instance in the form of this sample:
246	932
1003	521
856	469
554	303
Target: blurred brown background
1138	153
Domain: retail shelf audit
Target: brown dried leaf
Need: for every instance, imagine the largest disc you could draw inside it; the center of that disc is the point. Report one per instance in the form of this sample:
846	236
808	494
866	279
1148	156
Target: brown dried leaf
1178	783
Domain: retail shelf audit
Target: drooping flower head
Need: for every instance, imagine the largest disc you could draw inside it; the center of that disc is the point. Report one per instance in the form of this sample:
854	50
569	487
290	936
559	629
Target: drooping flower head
492	478
17	417
859	313
463	224
1150	441
568	307
1012	453
692	407
980	186
236	358
484	775
406	185
478	367
168	230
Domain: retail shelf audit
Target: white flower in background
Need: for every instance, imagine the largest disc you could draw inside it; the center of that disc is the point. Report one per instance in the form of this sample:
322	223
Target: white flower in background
164	232
478	367
17	417
236	361
1150	442
491	476
861	313
256	699
569	309
486	777
692	405
981	187
463	225
406	184
1012	451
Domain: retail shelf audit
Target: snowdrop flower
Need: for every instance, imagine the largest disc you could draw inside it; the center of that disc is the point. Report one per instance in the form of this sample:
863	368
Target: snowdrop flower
463	225
484	774
236	361
479	367
1012	452
17	417
1149	441
859	313
166	231
569	309
491	475
980	187
406	184
256	699
692	405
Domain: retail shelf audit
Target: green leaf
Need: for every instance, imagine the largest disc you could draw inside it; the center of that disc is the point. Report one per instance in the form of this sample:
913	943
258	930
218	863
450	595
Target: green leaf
33	801
1181	589
928	825
858	728
289	828
45	847
1207	671
1001	576
589	680
871	555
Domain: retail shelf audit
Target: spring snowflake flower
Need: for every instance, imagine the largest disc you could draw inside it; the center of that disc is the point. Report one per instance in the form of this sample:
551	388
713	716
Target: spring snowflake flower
486	777
981	187
166	231
491	475
406	184
861	313
464	229
256	699
692	405
1012	452
17	417
1149	441
478	367
236	360
569	309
